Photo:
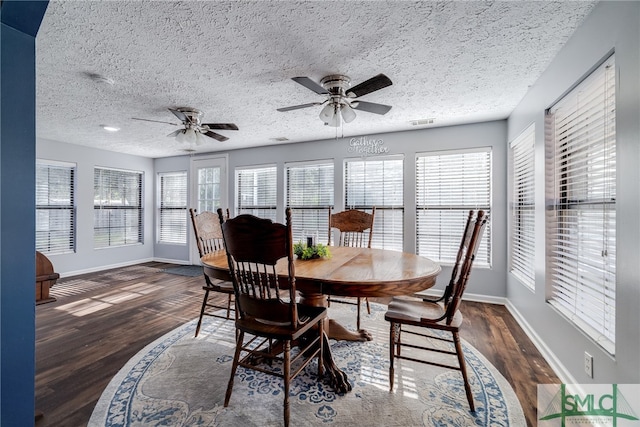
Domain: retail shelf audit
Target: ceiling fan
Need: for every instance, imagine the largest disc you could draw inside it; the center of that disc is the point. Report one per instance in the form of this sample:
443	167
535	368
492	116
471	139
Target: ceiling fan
341	98
194	131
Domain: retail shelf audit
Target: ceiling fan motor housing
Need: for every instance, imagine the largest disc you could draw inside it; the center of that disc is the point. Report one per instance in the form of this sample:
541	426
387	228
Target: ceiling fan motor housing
194	116
336	84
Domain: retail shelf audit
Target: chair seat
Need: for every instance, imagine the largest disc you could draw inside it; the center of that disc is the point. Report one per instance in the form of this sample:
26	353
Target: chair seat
412	311
224	287
307	315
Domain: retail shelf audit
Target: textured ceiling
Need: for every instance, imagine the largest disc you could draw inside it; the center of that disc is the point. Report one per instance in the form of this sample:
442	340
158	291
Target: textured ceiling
455	62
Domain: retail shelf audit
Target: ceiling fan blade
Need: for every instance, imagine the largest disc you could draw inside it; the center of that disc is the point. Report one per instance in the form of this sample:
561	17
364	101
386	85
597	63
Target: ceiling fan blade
374	83
215	136
155	121
175	133
310	84
371	107
297	107
225	126
180	115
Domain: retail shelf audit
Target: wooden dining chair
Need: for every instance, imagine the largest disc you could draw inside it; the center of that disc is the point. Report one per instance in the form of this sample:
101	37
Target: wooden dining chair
208	233
274	324
355	229
410	315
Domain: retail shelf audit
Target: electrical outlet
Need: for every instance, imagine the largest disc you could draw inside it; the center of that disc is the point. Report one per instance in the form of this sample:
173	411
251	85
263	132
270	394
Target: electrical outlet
588	364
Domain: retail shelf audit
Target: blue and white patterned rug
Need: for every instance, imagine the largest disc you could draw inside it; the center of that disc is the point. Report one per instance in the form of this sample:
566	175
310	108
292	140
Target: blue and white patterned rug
179	380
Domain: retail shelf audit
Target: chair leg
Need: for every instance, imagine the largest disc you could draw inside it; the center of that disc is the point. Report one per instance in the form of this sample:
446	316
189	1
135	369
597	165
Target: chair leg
358	318
321	352
287	380
204	306
368	306
463	369
392	339
229	307
236	358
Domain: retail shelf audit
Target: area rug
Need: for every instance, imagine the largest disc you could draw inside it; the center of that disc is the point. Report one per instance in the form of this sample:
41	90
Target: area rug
179	380
185	270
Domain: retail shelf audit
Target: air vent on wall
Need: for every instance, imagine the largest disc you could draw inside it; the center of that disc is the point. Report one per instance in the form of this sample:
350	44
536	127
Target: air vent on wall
422	122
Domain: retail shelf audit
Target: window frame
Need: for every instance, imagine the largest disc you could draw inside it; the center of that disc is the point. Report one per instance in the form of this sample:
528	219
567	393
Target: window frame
50	207
447	240
311	218
386	212
581	252
174	223
267	210
129	239
523	207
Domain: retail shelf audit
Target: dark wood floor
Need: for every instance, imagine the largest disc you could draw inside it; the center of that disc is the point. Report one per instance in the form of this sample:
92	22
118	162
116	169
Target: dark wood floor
100	320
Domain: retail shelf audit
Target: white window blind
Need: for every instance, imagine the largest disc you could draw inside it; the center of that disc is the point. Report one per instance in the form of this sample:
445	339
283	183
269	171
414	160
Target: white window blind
310	195
256	191
448	185
117	207
581	218
378	182
522	256
173	208
55	207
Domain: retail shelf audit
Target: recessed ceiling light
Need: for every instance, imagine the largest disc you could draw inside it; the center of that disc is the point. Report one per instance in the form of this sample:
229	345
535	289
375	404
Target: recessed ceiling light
421	122
279	139
110	128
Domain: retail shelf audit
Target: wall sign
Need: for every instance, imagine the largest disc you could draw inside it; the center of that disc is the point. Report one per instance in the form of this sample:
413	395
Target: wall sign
367	147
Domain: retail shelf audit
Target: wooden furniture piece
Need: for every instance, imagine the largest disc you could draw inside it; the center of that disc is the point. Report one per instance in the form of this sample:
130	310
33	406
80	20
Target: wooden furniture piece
442	314
355	229
349	272
254	246
46	277
206	227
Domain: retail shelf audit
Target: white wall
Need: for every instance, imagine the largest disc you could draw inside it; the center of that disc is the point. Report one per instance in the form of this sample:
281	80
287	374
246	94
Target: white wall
611	26
86	258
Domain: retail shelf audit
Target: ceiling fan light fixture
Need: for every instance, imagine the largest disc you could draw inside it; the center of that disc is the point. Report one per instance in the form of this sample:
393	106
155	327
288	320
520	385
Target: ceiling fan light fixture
327	113
199	138
348	115
190	136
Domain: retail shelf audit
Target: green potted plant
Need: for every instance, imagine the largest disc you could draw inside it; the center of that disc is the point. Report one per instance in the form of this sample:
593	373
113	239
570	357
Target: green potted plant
305	252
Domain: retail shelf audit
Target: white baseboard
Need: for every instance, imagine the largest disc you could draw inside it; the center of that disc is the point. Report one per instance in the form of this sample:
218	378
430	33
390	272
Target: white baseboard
105	267
172	261
555	364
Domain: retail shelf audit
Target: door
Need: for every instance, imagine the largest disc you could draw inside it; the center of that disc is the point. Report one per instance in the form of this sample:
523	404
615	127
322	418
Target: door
209	185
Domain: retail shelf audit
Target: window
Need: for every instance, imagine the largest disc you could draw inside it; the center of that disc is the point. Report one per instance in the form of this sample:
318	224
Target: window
310	195
55	207
117	207
209	188
173	208
522	257
581	207
256	191
378	183
448	185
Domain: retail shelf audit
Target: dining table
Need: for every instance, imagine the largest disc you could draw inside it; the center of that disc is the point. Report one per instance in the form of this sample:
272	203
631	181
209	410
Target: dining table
348	271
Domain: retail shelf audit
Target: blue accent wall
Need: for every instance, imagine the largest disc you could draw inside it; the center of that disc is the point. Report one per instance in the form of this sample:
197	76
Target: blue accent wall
20	22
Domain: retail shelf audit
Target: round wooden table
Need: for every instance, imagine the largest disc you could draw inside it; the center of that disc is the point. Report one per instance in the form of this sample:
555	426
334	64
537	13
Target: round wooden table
355	272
